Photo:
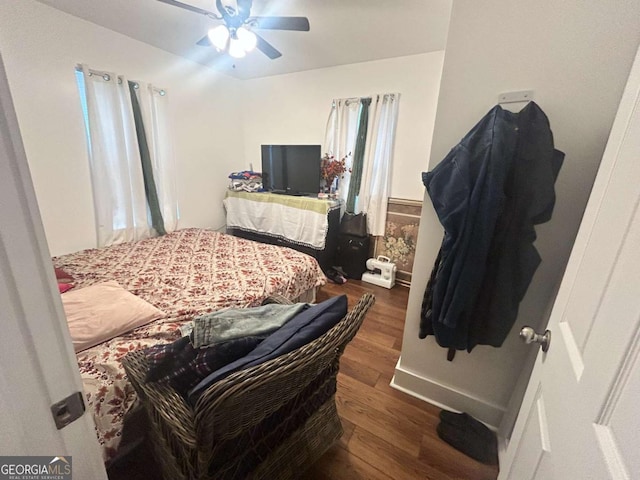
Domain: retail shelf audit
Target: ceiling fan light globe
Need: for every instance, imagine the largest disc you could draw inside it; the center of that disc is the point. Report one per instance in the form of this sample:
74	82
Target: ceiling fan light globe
235	48
219	36
247	38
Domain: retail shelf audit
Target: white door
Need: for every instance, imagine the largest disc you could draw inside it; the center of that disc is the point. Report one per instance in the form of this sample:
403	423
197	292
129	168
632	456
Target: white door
580	418
37	364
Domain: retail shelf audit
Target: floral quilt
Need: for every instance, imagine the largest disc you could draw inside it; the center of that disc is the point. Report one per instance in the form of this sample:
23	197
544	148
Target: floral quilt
185	273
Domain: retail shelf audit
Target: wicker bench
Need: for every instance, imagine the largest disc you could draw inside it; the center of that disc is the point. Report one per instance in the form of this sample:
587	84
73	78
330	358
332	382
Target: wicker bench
271	421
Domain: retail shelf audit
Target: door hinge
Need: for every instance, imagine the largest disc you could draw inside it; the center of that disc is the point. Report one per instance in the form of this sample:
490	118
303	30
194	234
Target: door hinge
68	410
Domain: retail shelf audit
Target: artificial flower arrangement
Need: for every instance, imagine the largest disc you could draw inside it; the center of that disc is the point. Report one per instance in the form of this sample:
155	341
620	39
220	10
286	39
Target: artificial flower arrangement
331	168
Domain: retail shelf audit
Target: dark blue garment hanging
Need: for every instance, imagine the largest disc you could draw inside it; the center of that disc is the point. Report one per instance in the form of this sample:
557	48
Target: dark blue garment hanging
488	193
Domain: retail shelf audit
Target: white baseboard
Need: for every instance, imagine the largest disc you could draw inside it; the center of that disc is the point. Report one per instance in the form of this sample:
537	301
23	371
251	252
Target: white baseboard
444	396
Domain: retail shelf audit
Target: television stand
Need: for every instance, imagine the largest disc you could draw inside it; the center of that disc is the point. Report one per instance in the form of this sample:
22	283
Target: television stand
309	225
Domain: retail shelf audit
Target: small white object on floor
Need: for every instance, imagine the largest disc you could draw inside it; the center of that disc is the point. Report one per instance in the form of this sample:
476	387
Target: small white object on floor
381	272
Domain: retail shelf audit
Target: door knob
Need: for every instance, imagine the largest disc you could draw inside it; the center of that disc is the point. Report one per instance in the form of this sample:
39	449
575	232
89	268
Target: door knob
529	335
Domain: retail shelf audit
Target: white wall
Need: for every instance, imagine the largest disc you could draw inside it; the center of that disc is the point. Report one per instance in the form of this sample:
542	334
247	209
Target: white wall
41	47
219	122
576	56
294	108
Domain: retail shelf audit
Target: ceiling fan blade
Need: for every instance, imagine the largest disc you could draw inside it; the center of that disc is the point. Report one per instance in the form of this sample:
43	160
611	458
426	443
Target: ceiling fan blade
204	41
300	24
191	8
266	48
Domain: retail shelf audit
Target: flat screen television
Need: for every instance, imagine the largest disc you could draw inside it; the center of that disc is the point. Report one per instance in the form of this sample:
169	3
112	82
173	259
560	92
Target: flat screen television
291	169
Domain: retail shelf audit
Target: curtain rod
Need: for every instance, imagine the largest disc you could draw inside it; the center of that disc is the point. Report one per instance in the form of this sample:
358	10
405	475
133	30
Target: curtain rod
385	96
346	100
106	76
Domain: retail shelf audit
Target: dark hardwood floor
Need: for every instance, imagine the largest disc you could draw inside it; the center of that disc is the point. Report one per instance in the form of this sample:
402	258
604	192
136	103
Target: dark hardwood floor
387	434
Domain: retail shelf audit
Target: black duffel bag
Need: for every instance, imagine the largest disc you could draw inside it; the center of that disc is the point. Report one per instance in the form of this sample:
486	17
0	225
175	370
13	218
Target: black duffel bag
354	224
353	245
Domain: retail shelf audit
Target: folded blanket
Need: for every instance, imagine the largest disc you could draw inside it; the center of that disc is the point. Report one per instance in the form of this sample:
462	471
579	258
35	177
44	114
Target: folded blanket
219	327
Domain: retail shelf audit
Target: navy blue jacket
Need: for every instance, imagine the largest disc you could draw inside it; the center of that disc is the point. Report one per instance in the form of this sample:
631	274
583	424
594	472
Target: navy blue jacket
489	192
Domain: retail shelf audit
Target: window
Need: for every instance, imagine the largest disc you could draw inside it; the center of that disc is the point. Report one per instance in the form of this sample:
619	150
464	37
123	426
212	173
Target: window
130	159
366	127
83	104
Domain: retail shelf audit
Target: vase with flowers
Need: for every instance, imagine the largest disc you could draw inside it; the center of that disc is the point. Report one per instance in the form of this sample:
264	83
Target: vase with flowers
332	169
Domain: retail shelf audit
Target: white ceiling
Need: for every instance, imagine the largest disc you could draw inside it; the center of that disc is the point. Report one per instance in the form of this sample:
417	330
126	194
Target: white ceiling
342	31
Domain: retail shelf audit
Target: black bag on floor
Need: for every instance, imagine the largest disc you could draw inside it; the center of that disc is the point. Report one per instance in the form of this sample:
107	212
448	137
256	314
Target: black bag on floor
354	224
352	254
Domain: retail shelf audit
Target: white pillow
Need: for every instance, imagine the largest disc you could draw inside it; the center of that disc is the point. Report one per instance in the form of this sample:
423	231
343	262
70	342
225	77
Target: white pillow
100	312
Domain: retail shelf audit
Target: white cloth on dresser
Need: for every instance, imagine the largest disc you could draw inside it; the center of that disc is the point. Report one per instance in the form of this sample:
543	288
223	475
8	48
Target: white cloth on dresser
301	220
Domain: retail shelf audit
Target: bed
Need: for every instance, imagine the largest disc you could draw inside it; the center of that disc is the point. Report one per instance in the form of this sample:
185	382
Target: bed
185	274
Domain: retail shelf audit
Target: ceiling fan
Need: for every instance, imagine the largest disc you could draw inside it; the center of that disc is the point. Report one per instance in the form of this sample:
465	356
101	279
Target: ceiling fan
236	33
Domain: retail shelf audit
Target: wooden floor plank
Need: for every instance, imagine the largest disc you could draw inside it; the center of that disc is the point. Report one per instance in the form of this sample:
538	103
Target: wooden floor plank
348	428
339	463
385	424
384	387
381	358
384	325
438	454
389	459
410	415
392	428
360	371
375	336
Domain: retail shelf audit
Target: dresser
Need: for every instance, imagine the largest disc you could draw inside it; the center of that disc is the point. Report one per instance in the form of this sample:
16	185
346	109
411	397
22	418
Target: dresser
307	224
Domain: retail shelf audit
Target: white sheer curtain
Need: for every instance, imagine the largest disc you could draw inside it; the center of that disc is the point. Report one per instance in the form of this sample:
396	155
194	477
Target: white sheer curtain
154	105
121	207
376	170
340	136
116	170
340	140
